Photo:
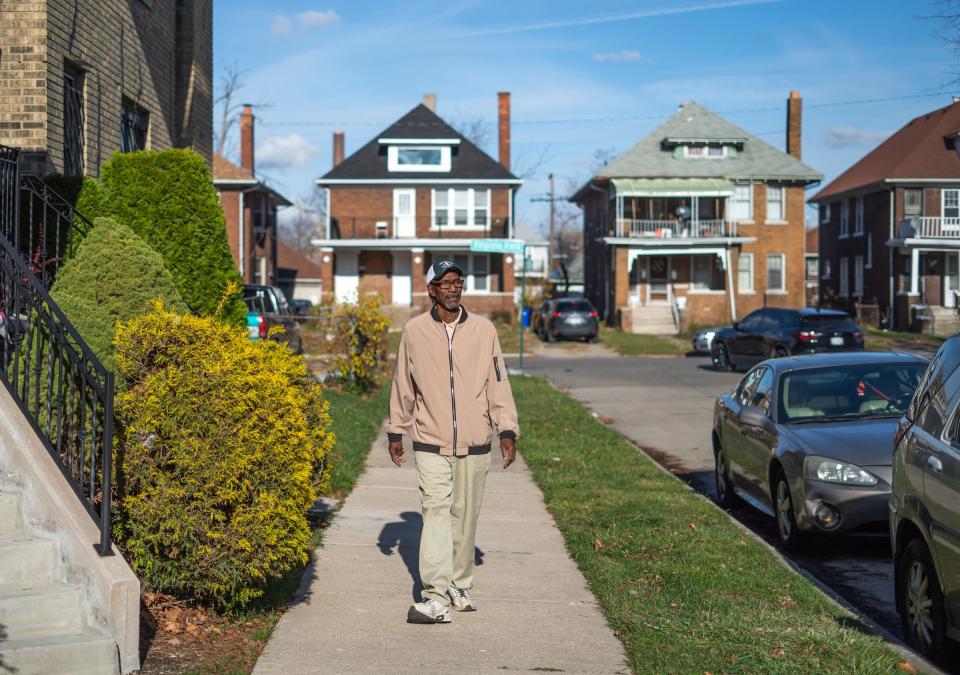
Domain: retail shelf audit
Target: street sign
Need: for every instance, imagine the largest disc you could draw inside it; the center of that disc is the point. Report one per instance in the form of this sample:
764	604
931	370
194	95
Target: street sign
514	246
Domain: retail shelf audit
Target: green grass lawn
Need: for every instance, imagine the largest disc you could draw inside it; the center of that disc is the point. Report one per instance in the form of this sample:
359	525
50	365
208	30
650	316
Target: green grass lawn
356	422
877	340
634	344
685	589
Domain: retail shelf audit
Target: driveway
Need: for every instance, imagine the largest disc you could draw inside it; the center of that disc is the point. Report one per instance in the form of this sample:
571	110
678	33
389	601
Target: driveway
666	407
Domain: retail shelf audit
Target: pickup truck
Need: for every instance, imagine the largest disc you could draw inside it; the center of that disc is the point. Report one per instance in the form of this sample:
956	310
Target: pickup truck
271	308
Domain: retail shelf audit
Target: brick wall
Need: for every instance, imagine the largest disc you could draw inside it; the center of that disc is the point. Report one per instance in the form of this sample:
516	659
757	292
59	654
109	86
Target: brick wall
127	49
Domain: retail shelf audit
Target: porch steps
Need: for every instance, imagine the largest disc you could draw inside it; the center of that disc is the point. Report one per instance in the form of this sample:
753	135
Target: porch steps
43	626
652	320
946	321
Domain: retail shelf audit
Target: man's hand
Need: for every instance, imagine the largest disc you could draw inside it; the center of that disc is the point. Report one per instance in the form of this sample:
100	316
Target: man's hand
508	448
395	448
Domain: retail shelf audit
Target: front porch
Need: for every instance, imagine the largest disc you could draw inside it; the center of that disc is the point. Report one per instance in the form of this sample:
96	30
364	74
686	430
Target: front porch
675	209
927	284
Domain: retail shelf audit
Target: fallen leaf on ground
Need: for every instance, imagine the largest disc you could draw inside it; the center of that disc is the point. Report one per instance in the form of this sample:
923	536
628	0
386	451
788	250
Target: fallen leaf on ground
906	667
597	544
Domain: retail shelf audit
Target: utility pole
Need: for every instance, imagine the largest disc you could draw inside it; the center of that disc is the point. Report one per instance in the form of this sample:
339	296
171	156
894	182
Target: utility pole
551	241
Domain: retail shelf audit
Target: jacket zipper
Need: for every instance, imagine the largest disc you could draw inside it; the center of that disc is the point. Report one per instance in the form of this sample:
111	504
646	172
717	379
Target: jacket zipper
453	398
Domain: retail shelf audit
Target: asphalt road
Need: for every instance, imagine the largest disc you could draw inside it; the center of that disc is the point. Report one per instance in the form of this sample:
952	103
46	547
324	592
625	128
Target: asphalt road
666	407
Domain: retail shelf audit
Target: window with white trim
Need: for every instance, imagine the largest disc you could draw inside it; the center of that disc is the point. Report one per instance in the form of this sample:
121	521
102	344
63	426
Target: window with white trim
824	214
704	151
913	202
951	203
460	208
858	217
776	272
418	158
774	203
869	264
825	270
745	273
858	276
706	273
741	205
844	277
844	219
477	269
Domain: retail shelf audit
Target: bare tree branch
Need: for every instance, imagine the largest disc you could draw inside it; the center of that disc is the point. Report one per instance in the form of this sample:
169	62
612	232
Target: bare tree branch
229	104
475	128
302	222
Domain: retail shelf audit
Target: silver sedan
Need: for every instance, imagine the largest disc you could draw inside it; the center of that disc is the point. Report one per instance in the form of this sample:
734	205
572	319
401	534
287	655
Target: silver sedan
809	440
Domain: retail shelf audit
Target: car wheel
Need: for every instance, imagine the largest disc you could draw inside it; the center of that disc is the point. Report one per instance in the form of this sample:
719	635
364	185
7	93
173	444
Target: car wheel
922	613
791	538
551	337
779	352
726	498
721	358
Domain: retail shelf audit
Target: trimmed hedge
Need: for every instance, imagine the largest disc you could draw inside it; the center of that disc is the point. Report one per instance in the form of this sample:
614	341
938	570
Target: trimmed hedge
222	449
168	198
113	277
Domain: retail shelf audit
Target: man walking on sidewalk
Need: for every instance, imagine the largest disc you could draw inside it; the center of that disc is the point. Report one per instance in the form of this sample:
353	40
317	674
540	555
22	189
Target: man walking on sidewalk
450	383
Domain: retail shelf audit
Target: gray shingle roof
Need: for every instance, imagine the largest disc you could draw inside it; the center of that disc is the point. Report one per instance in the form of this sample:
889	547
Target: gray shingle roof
653	156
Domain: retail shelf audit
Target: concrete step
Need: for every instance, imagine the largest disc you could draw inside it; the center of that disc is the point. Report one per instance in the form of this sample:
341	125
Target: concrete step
10	518
44	610
85	652
655	327
26	561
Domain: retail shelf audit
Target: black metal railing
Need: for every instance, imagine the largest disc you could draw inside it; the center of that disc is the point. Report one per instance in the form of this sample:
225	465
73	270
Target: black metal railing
56	380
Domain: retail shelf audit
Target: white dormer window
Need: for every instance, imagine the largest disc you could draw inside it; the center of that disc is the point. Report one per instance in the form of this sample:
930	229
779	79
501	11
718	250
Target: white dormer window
704	151
425	158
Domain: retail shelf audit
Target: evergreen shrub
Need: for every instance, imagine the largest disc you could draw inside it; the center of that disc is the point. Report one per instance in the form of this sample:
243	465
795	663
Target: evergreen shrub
222	449
113	277
168	198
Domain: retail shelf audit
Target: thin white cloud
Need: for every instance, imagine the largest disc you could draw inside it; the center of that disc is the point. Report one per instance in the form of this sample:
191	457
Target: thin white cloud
842	137
281	26
285	151
589	21
623	56
316	19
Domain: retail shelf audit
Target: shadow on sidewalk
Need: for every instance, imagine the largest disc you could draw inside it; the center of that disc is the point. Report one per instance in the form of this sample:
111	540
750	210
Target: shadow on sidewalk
404	536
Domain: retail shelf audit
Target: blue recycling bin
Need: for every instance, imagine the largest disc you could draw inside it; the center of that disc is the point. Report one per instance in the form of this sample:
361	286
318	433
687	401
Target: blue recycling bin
525	317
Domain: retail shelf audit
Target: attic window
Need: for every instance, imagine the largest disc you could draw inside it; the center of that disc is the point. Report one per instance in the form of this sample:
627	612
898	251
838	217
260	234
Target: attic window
705	151
424	158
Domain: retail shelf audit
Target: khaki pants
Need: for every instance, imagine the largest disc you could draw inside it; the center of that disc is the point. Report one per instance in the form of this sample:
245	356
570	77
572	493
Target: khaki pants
451	489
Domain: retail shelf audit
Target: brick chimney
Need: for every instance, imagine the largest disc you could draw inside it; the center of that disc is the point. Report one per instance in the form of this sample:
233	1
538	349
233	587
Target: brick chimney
337	148
430	101
794	115
246	138
503	127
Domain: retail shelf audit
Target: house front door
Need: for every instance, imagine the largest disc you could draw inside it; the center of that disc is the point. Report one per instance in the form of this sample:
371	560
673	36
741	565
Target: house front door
658	280
404	213
951	279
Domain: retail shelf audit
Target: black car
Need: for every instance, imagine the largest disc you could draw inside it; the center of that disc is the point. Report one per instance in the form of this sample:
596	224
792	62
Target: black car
270	302
570	318
774	332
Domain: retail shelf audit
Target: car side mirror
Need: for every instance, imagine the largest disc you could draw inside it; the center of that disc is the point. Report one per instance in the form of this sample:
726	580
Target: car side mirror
736	325
752	416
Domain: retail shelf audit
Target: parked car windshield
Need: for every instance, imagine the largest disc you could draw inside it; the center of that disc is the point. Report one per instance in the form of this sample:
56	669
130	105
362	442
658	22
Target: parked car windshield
822	322
848	392
574	306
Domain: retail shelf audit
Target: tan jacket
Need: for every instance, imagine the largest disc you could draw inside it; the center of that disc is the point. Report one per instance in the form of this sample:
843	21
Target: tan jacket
446	392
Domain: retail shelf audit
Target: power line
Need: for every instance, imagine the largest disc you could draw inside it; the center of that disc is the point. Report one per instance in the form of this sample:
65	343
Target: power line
624	118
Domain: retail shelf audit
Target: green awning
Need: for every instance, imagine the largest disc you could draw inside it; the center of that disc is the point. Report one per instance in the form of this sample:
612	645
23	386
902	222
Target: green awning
673	187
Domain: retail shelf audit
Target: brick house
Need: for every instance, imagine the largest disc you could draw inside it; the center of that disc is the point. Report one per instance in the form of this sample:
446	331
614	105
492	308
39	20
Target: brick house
890	227
250	209
417	192
82	79
812	273
698	223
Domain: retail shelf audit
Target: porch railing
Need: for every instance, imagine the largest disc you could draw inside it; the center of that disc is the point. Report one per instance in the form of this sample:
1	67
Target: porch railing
410	227
932	228
58	383
671	229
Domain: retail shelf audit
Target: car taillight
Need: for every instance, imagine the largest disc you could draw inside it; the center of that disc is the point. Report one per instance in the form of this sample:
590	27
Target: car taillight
556	314
806	335
262	327
593	314
858	335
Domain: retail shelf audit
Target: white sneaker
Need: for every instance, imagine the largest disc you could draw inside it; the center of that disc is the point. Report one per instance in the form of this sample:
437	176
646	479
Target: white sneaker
429	611
460	599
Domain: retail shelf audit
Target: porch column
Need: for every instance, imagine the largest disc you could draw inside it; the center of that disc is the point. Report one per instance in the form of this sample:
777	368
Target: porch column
621	272
726	258
914	271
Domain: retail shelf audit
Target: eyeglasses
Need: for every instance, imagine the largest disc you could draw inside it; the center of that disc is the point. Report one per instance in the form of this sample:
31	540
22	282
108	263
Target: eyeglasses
448	285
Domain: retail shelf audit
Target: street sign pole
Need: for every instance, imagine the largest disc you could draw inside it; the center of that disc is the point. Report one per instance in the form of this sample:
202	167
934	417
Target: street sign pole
523	299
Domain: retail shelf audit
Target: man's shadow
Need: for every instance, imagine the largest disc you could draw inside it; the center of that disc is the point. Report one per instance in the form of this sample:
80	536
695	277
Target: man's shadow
404	536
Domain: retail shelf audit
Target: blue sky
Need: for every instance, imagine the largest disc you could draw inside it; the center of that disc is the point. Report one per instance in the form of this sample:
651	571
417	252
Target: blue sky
583	77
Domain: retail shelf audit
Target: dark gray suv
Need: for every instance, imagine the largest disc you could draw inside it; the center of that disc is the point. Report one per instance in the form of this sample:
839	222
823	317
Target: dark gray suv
925	507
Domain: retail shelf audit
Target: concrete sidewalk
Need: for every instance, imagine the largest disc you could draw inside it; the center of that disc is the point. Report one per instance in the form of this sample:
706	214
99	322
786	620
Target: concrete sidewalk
535	610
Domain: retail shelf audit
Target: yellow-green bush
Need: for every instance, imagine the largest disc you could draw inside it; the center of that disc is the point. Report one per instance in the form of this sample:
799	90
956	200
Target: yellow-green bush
360	337
220	453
